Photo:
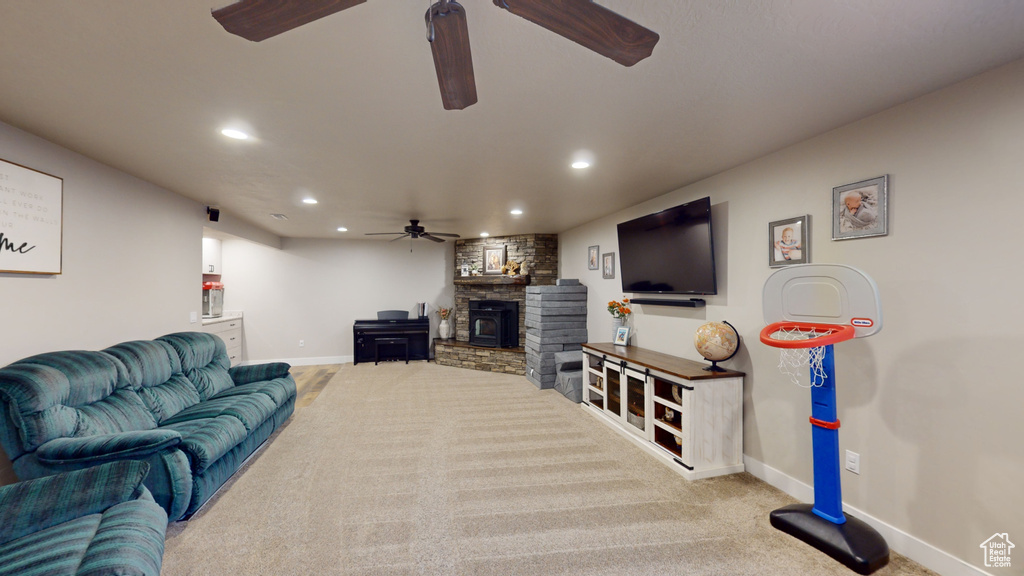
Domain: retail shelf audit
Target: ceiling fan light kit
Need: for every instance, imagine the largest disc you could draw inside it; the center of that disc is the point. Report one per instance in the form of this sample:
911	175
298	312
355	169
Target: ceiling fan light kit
588	24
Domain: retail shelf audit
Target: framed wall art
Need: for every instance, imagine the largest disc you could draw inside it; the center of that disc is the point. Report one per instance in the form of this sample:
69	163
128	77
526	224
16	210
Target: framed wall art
608	265
592	258
494	259
788	242
861	209
31	220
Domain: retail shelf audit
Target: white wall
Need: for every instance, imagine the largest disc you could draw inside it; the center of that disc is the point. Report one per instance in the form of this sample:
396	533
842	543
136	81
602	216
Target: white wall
314	290
131	261
933	402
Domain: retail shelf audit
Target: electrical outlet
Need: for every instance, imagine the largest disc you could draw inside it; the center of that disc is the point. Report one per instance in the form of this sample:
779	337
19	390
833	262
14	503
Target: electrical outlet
853	462
193	317
302	343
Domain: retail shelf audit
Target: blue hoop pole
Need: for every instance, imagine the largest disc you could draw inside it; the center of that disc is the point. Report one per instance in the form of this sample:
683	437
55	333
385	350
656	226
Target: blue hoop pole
828	496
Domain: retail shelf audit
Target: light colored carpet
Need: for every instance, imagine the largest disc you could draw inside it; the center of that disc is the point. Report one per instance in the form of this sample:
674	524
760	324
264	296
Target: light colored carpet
426	469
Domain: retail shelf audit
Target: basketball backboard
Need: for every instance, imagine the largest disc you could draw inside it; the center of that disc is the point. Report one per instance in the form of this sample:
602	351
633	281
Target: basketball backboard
823	294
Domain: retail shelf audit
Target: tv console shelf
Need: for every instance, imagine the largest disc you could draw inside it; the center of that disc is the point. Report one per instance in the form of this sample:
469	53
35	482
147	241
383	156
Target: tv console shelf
689	418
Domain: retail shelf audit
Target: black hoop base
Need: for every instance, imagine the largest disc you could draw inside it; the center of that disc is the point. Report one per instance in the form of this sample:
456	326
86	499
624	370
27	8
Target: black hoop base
854	543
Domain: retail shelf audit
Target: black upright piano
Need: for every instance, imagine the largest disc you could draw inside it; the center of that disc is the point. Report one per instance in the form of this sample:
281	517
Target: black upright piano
391	340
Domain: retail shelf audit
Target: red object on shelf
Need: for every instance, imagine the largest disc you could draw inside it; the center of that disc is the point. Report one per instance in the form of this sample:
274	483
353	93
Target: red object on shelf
213	285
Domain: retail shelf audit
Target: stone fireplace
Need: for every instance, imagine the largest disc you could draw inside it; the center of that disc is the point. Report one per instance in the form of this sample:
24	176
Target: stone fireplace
540	251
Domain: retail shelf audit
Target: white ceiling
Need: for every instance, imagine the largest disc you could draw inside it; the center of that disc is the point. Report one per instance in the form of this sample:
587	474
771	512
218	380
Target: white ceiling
347	108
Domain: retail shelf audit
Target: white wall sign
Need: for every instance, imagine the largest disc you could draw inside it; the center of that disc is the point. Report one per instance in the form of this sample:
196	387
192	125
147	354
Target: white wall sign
31	216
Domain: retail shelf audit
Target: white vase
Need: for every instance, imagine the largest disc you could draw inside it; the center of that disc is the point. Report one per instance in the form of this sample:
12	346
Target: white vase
616	323
444	329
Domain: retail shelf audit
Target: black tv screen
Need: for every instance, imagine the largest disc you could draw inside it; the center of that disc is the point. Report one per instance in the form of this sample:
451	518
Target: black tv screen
670	252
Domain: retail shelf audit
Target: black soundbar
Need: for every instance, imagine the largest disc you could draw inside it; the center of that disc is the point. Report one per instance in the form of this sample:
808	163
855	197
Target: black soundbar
691	303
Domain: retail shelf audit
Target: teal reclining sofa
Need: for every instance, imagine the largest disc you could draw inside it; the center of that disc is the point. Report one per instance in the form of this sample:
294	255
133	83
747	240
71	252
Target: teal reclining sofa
174	403
97	521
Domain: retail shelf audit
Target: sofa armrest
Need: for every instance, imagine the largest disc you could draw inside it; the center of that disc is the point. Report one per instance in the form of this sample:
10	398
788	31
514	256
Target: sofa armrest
34	505
91	450
258	372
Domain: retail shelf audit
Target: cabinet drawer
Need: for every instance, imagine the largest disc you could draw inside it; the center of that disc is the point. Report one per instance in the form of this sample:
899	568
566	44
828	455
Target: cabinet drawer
225	326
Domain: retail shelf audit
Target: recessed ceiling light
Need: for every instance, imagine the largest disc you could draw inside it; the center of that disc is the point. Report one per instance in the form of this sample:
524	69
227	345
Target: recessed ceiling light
342	229
236	134
517	212
309	201
581	164
484	234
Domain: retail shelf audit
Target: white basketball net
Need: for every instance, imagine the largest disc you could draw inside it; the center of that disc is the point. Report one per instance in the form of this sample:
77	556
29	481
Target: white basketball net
795	362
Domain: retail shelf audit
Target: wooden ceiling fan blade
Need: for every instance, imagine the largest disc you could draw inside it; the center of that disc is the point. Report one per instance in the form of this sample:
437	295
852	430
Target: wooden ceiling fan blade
431	237
400	237
452	58
383	233
446	235
258	20
590	25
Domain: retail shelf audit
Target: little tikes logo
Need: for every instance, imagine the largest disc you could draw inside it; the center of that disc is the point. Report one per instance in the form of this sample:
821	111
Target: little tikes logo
997	550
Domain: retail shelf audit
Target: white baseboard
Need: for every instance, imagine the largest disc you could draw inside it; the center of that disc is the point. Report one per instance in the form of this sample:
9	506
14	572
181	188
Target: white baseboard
306	361
899	541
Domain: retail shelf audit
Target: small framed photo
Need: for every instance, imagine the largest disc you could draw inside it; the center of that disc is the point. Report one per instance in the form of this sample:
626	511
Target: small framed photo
788	242
494	259
608	265
465	269
861	209
592	258
622	336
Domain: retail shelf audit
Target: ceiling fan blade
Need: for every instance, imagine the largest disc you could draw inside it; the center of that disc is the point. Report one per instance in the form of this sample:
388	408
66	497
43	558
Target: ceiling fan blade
400	237
445	235
449	42
382	233
590	25
430	236
261	19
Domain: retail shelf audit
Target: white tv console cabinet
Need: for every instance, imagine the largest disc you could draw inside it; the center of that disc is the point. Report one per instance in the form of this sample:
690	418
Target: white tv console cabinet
689	418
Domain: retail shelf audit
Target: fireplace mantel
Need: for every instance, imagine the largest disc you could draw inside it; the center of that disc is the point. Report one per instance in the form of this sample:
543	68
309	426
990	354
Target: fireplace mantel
493	280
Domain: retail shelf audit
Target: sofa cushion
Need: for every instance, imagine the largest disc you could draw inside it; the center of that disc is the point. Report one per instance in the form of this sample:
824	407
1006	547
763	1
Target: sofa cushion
55	550
153	367
28	507
106	447
279	390
44	404
250	409
205	440
204	361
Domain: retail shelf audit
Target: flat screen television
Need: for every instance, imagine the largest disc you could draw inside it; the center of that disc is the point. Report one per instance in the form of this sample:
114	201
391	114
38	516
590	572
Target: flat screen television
670	252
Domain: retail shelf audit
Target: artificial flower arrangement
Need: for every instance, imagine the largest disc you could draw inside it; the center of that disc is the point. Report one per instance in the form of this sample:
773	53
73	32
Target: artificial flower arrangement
619	309
444	313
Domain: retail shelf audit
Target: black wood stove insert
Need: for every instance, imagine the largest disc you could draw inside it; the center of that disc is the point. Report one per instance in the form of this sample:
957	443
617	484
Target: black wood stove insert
494	323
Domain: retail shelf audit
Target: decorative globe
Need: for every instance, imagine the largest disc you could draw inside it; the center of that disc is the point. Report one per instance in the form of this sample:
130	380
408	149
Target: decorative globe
716	341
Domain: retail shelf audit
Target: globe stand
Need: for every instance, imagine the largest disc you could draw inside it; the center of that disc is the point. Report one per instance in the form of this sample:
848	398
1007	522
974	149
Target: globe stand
714	363
715	367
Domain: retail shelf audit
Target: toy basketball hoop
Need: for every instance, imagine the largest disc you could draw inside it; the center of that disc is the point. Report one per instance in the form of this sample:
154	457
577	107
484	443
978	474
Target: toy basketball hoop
808	308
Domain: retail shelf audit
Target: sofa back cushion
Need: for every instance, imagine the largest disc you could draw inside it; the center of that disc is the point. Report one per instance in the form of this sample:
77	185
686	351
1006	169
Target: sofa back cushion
204	360
154	369
71	393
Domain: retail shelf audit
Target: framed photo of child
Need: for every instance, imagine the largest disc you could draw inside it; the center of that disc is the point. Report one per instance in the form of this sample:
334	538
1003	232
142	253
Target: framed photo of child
788	242
861	209
622	336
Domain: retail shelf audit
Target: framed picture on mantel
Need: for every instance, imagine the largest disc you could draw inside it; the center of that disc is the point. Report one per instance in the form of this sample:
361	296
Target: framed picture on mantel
494	259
